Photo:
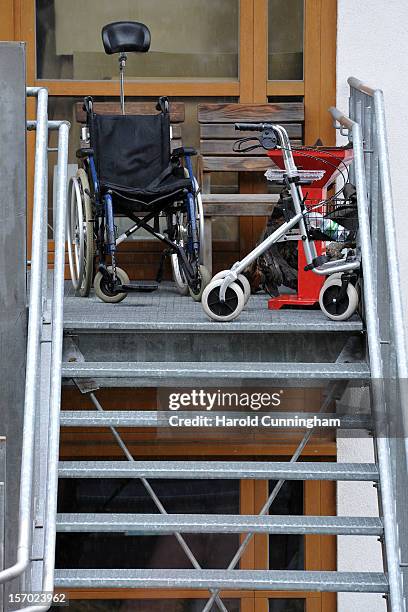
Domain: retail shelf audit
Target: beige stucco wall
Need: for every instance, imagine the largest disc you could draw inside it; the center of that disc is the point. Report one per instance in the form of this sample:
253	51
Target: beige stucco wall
373	46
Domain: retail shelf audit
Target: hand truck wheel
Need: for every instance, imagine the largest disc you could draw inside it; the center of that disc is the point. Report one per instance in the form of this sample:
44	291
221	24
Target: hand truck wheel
336	306
241	281
223	311
104	291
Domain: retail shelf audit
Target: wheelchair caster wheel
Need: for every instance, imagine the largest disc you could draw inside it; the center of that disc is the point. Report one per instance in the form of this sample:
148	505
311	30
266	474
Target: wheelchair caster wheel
241	281
104	292
205	278
223	311
178	275
332	304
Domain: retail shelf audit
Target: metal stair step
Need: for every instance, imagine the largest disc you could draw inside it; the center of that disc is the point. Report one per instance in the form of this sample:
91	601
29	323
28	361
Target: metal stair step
152	418
266	470
180	316
153	374
212	523
362	582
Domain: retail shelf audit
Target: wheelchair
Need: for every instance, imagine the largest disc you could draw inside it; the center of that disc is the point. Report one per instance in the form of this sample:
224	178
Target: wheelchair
127	168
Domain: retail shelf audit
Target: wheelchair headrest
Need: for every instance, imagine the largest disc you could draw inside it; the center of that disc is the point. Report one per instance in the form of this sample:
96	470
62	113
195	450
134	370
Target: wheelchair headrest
122	36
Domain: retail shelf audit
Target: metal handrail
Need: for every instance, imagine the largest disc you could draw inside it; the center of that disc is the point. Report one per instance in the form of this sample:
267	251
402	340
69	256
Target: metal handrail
376	362
33	341
389	225
37	305
57	319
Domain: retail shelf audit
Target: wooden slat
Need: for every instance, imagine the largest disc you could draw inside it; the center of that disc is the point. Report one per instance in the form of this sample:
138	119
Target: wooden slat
225	147
214	131
229	113
236	164
238	204
177	111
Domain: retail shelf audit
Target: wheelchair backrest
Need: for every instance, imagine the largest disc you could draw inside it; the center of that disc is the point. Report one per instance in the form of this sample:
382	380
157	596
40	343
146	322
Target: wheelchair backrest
130	150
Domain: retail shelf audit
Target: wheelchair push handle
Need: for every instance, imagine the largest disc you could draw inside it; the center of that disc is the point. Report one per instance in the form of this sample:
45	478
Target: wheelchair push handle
253	127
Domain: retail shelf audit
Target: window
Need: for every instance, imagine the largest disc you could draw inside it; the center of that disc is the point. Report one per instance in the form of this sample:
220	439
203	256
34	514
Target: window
138	550
286	552
285	40
287	605
190	39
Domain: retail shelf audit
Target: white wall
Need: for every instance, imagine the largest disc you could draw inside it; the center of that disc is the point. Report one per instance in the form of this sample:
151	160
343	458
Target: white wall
358	553
372	45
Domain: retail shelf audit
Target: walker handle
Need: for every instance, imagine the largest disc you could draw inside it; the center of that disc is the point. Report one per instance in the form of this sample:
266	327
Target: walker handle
253	127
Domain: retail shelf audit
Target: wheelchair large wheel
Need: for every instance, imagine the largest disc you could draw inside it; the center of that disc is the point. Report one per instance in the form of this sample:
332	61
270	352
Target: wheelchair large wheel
80	233
335	306
241	281
199	215
199	211
178	275
104	292
223	311
204	277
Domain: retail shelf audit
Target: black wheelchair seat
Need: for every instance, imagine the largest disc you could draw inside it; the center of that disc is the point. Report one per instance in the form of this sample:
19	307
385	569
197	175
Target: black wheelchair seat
125	36
133	159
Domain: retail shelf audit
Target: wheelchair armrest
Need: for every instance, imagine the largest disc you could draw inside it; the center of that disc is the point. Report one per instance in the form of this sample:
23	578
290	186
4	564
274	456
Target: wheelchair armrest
183	152
84	152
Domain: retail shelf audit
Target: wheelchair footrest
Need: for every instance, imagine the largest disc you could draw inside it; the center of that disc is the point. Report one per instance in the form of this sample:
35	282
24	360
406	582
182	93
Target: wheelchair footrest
141	286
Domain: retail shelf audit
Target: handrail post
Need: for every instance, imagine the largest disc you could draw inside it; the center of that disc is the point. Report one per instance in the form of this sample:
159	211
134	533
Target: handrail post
33	342
392	557
56	364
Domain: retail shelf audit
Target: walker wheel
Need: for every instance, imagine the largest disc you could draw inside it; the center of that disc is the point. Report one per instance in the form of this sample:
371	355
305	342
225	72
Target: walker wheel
223	311
241	281
204	279
335	308
104	292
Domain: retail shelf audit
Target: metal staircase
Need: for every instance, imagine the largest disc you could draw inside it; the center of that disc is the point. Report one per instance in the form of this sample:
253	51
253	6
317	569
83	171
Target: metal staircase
145	343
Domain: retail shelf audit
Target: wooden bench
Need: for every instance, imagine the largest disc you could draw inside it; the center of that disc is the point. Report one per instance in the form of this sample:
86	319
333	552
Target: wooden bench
217	138
177	114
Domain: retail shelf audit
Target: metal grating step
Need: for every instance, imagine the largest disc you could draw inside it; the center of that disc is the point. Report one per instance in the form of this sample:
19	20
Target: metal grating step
166	312
361	582
151	418
153	374
207	523
219	469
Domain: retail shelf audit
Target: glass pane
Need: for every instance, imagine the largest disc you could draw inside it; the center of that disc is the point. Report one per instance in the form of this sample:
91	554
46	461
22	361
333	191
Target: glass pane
285	40
135	550
286	552
190	39
147	605
287	605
